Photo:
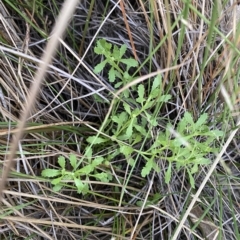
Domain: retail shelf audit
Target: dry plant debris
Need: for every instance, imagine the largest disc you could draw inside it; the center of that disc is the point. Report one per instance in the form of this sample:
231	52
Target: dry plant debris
193	47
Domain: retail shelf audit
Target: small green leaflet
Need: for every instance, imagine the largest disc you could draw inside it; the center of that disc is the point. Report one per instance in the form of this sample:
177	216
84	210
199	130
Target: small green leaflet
147	169
202	161
181	126
61	162
130	161
137	138
127	108
141	91
112	75
156	82
96	140
102	46
120	119
57	188
99	67
97	161
188	118
126	76
51	173
164	98
122	51
194	168
73	160
115	53
118	75
119	84
202	120
99	49
217	133
149	104
79	184
151	119
140	129
56	181
118	53
130	62
126	93
102	176
86	170
129	130
126	150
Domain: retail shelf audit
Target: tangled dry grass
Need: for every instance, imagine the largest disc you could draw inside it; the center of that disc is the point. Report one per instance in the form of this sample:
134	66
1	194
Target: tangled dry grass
200	37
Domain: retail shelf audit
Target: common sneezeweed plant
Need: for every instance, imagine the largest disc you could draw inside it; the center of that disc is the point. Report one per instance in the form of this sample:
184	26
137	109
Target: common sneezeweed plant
187	146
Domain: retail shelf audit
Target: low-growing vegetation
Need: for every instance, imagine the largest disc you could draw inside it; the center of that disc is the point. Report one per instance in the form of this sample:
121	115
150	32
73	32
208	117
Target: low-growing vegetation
134	132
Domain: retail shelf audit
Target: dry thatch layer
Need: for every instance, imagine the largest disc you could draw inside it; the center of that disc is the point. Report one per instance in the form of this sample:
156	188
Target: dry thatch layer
67	112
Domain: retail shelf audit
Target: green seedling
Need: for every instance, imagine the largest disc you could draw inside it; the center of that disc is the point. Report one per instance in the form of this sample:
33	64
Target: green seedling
79	175
188	146
114	57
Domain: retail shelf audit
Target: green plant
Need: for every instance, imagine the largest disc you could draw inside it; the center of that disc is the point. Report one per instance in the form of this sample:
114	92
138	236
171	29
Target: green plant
77	174
186	147
114	57
129	127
